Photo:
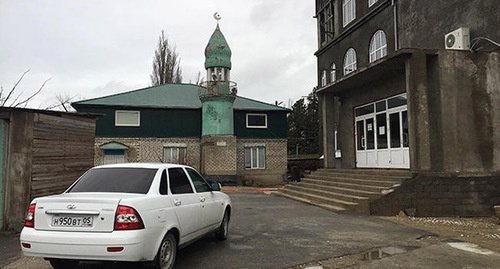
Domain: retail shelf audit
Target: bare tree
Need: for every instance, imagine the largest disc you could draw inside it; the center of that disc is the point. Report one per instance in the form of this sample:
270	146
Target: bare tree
166	63
63	102
6	98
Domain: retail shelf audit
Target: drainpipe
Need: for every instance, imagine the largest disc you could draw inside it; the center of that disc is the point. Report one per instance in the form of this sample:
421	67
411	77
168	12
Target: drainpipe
395	11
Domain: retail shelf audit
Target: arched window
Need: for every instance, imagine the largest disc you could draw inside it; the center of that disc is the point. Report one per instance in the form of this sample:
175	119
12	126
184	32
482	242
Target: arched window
350	61
348	11
333	73
378	46
323	78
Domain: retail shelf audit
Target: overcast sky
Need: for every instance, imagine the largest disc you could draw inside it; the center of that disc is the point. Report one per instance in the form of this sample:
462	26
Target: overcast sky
94	48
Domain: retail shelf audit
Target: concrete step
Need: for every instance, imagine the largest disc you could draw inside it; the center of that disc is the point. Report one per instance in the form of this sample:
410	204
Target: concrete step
379	172
352	191
333	195
305	200
363	176
347	185
370	182
320	199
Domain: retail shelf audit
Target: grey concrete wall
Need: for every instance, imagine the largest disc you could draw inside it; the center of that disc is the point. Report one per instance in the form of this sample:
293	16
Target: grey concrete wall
423	23
465	119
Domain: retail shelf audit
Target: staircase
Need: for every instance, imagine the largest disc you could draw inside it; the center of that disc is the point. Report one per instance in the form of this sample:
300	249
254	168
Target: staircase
345	189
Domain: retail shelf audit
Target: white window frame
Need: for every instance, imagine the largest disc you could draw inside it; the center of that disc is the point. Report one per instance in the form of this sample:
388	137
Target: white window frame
323	78
372	2
257	163
348	11
350	62
256	114
333	73
378	44
177	151
128	111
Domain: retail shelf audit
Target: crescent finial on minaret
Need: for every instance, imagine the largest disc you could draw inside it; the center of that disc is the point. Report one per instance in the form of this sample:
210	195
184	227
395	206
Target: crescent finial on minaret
217	17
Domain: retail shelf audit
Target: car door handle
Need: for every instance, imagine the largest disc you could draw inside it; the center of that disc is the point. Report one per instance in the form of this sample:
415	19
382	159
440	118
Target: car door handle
202	199
177	202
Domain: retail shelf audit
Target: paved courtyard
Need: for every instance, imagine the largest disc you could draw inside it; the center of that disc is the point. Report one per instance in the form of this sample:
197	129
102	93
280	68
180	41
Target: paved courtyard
269	231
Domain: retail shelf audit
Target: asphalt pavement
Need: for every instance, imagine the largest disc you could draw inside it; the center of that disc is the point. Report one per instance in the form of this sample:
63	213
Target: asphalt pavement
268	231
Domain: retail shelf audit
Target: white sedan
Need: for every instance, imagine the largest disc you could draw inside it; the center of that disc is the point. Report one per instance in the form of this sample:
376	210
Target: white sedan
126	212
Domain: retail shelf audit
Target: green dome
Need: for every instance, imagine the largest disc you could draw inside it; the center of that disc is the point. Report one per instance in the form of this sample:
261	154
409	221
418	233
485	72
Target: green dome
217	52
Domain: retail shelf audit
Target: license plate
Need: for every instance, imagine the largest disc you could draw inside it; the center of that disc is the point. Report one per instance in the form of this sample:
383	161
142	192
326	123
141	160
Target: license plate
72	221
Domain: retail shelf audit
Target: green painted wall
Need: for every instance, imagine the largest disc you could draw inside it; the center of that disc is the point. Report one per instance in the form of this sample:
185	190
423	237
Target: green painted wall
154	122
276	125
218	117
183	123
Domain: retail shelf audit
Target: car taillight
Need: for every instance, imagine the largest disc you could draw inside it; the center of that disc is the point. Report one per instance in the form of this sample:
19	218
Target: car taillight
127	218
29	221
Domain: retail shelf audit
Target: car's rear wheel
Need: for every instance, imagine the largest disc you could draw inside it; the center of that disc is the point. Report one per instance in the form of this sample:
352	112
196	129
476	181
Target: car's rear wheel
165	258
222	232
62	264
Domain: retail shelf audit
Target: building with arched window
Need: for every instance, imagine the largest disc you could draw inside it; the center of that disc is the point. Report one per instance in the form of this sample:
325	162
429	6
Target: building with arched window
418	98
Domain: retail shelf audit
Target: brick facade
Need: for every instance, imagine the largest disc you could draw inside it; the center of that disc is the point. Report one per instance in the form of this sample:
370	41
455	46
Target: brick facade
151	150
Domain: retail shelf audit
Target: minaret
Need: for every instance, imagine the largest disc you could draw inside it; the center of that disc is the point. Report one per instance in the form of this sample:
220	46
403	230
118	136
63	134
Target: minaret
218	99
218	143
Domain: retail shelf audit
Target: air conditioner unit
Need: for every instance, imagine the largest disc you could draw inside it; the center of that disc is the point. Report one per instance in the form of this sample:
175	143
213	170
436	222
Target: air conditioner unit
458	39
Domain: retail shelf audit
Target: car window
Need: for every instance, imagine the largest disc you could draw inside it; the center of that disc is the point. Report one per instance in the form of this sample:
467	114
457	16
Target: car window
179	182
128	180
163	183
198	181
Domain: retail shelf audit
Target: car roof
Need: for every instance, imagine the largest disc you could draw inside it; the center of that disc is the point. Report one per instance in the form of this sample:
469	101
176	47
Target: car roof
141	165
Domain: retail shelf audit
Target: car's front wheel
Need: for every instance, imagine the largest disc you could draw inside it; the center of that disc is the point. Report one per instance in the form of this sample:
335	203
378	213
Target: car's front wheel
165	258
63	264
222	232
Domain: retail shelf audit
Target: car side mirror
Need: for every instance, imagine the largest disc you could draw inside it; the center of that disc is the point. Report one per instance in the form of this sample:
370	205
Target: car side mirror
216	186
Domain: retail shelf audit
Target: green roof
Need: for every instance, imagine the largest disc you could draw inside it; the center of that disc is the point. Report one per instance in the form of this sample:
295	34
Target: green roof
217	52
177	96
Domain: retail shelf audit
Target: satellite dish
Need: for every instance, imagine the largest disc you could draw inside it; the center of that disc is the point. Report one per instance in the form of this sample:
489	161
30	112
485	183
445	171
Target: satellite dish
217	16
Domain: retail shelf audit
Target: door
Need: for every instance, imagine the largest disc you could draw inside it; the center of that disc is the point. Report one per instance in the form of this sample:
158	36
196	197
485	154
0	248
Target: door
186	203
211	208
112	156
399	143
381	134
366	155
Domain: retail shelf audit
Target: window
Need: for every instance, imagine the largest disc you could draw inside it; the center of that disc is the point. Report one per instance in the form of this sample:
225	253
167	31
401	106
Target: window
179	182
200	185
348	11
256	120
326	22
371	2
350	61
255	158
333	73
378	46
174	155
127	118
112	156
323	78
163	183
126	180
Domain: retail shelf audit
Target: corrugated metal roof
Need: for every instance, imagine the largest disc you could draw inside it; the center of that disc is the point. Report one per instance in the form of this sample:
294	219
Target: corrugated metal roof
170	96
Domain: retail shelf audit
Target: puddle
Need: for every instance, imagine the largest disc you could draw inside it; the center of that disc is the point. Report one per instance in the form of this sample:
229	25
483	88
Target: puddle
379	253
239	247
471	248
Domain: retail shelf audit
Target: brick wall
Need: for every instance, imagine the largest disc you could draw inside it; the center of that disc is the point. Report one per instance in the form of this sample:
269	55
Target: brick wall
150	149
443	196
275	168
